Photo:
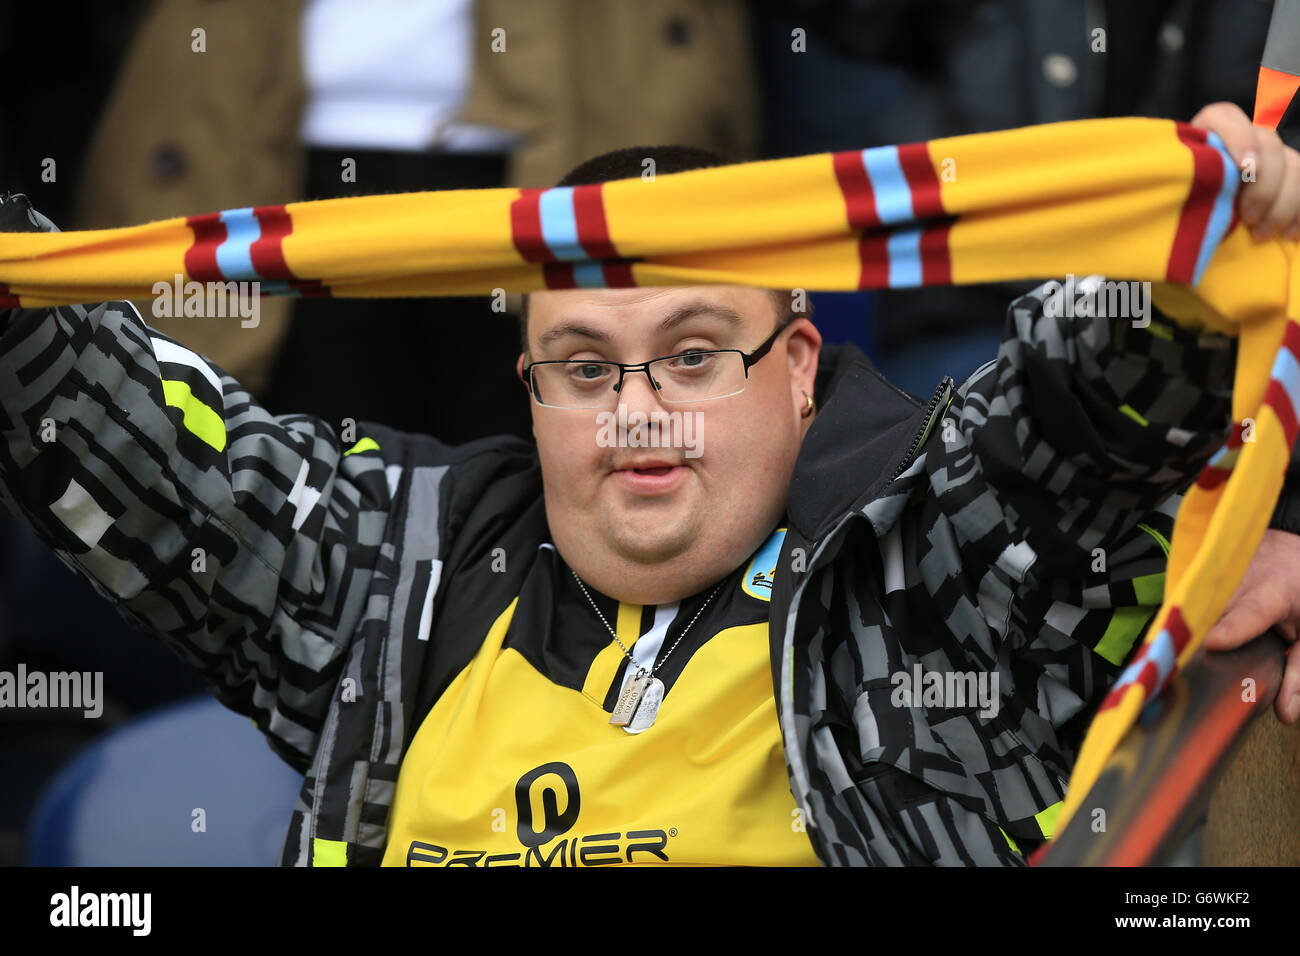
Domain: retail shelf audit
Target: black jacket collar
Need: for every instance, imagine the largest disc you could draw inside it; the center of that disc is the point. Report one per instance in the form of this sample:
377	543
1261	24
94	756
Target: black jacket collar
864	429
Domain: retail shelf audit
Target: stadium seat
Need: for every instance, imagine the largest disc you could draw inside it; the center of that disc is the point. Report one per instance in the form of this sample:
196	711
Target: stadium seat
193	784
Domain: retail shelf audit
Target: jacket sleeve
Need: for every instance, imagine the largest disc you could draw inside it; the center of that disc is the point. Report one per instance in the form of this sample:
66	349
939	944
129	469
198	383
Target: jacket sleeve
244	541
1054	480
1080	427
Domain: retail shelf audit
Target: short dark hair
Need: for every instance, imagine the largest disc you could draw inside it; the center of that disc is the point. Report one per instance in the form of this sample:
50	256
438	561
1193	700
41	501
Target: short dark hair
628	163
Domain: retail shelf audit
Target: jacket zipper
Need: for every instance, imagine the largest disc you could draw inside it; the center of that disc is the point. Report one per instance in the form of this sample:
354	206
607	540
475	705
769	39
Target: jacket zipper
938	405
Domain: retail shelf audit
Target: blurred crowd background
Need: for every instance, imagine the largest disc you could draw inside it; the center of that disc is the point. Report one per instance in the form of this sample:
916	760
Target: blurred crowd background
142	124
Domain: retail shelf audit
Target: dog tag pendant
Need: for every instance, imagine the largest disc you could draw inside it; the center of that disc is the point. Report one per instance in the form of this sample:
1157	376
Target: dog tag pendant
628	700
648	709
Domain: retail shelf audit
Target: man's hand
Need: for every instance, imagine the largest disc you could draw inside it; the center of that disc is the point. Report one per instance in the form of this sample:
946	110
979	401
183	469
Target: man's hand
1268	596
1271	204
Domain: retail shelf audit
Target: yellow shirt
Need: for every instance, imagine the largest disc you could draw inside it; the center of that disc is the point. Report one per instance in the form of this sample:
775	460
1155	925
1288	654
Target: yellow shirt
518	765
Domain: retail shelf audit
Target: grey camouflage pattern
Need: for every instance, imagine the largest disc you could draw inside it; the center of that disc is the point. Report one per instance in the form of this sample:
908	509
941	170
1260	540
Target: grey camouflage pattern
992	534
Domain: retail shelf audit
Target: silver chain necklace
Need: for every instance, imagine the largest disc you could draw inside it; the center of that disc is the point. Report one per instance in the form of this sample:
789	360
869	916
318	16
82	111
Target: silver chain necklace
638	705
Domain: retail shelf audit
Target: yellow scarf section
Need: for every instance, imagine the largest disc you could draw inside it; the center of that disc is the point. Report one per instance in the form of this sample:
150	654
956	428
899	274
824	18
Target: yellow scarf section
1138	199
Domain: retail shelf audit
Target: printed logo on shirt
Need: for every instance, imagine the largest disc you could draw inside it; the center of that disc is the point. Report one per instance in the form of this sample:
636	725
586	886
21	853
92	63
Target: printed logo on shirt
541	830
554	823
759	576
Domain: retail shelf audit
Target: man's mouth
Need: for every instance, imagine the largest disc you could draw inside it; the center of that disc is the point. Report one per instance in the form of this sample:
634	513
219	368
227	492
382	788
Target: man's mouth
648	464
650	476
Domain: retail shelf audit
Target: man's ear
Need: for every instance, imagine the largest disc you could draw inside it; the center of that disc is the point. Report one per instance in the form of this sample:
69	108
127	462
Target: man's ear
802	349
519	371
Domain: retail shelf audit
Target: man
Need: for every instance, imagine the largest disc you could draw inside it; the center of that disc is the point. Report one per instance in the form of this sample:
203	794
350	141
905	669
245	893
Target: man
610	650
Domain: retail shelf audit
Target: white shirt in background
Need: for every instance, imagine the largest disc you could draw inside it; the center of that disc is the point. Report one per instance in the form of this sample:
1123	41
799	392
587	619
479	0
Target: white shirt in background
391	74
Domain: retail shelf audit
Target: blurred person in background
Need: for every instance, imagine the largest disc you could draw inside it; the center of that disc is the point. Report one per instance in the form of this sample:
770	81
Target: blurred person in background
329	98
895	71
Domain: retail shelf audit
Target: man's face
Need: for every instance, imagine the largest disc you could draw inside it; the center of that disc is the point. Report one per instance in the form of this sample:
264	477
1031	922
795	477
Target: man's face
650	525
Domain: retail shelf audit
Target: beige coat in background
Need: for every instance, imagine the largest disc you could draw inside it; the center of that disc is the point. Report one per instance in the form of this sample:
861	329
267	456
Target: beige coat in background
187	132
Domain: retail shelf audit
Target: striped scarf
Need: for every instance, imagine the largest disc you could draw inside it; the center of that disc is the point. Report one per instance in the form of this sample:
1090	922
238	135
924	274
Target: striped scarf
1138	199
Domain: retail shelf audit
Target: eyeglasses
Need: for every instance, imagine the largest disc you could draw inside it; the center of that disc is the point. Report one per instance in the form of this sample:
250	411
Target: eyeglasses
692	376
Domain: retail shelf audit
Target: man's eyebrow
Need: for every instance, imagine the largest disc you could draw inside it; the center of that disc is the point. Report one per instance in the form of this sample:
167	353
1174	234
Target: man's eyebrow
572	328
689	310
693	310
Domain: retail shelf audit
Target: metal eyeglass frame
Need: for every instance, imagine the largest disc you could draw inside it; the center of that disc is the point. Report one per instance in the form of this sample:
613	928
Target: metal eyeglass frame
749	361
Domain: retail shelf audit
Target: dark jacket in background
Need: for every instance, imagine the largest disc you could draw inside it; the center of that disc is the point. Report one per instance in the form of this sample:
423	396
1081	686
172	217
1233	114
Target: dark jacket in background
894	71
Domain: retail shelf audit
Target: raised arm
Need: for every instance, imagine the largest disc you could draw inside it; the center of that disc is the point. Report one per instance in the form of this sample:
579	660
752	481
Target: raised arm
244	541
1067	455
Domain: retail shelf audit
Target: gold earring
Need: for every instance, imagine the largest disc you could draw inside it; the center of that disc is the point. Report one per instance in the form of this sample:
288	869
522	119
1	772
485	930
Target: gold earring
808	409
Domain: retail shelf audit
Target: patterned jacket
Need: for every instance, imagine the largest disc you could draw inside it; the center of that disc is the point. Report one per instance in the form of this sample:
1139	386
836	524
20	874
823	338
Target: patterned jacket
330	585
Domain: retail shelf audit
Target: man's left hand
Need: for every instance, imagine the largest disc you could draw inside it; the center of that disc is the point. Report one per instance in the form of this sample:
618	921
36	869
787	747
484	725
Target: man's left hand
1268	596
1269	203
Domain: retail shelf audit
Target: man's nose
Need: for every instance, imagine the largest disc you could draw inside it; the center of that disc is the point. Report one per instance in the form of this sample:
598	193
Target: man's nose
637	391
